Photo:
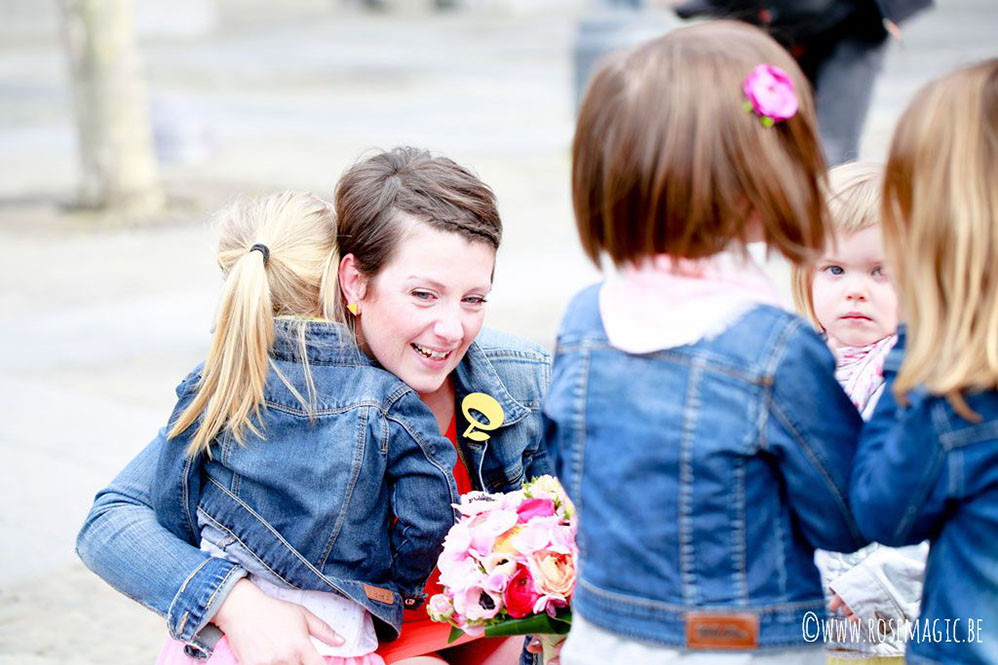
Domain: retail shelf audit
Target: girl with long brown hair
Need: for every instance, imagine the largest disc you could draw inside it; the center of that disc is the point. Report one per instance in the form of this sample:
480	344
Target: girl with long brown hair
927	464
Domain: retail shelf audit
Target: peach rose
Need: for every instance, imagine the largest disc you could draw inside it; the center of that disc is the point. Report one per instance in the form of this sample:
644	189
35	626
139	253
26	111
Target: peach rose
553	572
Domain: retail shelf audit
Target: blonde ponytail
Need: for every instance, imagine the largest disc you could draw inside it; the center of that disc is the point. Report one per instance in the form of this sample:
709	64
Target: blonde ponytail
235	372
287	276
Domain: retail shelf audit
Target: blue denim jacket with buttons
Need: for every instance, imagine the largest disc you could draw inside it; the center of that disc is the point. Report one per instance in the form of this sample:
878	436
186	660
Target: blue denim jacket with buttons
704	475
922	471
323	520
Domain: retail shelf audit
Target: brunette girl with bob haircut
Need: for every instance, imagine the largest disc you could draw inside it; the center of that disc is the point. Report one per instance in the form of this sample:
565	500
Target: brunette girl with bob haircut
667	161
697	424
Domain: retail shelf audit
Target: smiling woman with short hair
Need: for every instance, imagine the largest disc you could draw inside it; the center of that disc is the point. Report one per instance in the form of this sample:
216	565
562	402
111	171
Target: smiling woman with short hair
416	238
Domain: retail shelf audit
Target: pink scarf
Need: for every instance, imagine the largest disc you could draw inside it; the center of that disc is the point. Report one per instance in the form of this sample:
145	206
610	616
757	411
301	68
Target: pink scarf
665	302
860	370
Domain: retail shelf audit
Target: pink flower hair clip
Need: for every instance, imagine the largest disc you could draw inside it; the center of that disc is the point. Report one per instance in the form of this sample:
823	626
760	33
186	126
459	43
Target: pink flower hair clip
769	93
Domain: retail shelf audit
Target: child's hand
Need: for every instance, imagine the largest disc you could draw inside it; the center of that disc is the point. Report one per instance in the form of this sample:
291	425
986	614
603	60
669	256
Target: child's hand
266	631
836	604
549	645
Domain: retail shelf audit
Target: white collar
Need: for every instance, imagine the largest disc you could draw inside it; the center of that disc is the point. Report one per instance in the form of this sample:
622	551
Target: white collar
663	303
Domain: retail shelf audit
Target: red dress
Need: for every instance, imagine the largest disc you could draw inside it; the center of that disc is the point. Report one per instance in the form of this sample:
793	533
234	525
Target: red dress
421	636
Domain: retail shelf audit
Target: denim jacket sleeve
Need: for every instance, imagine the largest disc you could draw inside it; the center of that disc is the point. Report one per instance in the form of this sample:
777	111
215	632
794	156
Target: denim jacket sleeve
817	430
540	463
555	443
121	536
899	484
422	488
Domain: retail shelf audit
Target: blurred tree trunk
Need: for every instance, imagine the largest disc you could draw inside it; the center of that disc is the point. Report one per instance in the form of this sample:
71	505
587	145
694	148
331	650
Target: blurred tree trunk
115	136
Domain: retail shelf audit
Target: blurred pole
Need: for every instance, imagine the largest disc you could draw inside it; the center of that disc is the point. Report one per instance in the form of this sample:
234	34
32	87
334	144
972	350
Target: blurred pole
112	116
613	25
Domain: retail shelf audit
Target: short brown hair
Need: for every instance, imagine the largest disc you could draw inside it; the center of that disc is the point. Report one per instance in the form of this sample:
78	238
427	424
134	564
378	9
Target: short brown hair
433	189
667	160
376	197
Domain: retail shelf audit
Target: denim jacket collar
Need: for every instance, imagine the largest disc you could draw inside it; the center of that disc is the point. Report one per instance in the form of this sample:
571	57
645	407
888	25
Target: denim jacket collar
475	374
663	301
326	342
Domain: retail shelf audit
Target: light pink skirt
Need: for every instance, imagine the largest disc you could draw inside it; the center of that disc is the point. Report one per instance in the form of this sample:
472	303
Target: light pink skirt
172	653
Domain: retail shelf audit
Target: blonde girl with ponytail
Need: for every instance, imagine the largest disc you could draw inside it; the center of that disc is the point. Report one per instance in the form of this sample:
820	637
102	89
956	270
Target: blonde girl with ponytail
305	473
278	257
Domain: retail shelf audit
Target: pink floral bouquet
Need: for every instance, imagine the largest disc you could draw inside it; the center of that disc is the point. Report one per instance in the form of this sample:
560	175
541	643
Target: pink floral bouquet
508	565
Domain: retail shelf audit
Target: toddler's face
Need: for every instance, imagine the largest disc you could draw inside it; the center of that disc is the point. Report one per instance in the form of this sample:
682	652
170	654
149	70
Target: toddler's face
854	300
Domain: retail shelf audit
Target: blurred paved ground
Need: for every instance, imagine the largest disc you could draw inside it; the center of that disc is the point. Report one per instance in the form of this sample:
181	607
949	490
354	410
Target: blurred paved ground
99	321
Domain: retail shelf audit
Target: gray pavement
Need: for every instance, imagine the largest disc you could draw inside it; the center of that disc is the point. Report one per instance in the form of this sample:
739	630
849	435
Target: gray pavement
101	320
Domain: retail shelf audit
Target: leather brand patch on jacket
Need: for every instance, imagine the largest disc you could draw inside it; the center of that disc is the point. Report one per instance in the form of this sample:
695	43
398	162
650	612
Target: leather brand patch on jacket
708	630
378	594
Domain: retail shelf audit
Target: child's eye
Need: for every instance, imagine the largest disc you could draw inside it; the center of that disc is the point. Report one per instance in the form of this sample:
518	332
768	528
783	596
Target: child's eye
879	272
833	270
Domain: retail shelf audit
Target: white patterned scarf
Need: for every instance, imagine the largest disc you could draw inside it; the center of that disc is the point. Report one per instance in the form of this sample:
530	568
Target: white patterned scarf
860	370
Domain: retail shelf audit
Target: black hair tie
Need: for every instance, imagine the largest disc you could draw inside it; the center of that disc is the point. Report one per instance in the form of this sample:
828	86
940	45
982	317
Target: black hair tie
263	249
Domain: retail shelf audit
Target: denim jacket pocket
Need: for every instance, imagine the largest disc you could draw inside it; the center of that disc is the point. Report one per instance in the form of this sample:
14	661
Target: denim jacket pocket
504	479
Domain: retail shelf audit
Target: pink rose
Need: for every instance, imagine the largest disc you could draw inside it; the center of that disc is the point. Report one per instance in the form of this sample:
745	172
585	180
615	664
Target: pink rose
520	594
554	573
440	607
531	508
457	541
459	575
563	540
486	527
770	92
535	534
496	583
512	500
550	604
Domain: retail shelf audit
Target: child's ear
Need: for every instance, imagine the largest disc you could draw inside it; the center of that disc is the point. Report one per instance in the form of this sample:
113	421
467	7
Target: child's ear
353	284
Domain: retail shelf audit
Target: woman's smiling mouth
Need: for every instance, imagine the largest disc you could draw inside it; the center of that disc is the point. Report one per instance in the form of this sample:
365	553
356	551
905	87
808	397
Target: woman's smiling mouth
430	353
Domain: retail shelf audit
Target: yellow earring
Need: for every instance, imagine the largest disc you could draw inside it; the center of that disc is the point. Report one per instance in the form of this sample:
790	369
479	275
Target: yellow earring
352	308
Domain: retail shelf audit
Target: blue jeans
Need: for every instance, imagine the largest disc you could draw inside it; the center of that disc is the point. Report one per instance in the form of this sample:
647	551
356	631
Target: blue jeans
843	92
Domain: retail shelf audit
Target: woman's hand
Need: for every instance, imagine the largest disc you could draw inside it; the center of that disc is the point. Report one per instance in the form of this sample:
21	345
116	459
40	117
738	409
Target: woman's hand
265	631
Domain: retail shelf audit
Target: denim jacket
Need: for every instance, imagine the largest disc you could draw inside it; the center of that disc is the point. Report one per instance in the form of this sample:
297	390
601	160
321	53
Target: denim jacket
704	475
377	421
516	374
923	472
